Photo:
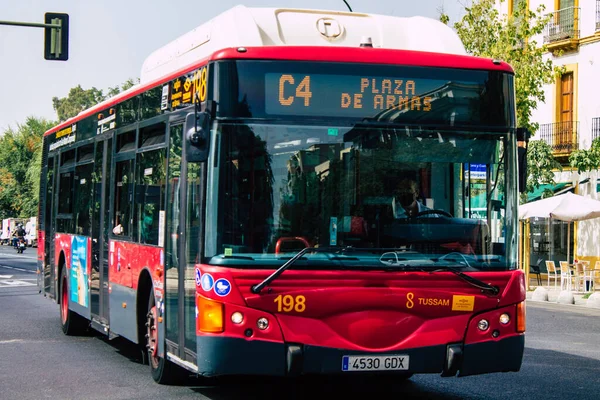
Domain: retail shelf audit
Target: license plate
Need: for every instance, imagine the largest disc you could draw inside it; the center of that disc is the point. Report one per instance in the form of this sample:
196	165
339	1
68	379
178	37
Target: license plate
375	363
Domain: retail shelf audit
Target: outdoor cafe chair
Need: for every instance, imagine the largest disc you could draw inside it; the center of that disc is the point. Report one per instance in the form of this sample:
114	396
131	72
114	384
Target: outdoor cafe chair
565	276
552	274
579	277
535	270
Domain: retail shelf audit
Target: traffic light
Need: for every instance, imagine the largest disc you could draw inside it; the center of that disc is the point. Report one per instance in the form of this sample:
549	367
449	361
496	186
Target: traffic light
56	40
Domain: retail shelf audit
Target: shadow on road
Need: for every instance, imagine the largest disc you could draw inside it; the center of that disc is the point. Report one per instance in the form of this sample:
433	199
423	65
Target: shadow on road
548	373
266	388
316	388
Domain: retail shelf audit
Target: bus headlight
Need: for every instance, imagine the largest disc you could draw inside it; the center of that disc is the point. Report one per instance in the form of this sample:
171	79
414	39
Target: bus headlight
504	319
237	317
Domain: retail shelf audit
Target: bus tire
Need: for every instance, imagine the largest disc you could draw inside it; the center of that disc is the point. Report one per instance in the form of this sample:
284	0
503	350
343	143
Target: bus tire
163	371
72	323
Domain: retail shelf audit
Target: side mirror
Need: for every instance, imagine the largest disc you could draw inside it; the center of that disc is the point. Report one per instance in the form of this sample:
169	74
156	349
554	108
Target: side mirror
522	144
197	136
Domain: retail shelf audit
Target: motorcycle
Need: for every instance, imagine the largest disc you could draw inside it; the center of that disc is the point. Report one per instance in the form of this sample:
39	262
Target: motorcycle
21	245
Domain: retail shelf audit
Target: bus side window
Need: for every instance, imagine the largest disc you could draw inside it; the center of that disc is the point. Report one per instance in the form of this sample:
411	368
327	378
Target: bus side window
150	181
123	189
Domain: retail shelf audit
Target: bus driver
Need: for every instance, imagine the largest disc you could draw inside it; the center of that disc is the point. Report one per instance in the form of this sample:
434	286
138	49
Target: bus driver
406	202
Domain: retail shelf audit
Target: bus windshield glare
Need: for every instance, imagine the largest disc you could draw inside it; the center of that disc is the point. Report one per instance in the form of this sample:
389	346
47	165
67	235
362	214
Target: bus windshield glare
373	157
280	188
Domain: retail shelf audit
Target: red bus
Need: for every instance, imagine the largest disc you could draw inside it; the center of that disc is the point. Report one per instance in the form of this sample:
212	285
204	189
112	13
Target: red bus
318	195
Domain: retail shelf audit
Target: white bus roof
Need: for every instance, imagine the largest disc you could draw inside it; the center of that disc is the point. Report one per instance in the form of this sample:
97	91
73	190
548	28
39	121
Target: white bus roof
243	26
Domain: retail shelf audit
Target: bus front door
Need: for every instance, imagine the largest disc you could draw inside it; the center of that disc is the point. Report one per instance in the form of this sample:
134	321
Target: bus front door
183	247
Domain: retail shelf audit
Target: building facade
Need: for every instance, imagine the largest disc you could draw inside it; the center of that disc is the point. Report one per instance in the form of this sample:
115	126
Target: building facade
569	120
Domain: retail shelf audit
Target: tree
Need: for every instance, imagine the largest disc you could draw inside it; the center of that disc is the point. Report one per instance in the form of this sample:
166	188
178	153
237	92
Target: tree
586	160
540	164
21	151
20	156
77	101
129	83
486	33
80	99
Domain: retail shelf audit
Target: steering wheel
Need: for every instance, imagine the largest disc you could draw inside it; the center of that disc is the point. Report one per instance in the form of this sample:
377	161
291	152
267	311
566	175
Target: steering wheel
428	212
455	253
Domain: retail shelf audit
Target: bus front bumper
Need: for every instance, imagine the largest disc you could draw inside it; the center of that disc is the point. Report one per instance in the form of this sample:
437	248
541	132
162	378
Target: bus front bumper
218	356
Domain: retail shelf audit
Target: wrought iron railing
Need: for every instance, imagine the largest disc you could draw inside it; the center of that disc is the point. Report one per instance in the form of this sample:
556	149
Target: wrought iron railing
563	137
597	15
564	24
595	128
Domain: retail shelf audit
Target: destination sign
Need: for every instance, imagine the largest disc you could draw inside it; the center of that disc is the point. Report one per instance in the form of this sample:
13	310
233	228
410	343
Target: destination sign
399	94
343	95
64	137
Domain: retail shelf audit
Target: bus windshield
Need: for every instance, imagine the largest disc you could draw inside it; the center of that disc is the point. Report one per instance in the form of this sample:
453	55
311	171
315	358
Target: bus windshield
402	196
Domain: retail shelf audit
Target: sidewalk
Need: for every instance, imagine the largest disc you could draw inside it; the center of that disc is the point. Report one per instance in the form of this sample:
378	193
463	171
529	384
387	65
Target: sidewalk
552	295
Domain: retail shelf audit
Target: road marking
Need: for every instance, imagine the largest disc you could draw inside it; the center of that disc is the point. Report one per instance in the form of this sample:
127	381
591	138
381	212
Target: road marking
15	283
5	276
11	341
31	257
18	269
11	254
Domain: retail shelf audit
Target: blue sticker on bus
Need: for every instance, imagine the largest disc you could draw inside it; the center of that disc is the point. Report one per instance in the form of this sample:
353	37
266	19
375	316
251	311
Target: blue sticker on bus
222	287
198	276
207	282
345	360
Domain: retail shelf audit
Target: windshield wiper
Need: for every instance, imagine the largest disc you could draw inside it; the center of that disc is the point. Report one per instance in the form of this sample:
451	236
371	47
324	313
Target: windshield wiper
494	290
260	286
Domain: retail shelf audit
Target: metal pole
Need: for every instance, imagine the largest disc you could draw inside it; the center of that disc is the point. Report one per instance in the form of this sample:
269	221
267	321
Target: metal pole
568	241
31	24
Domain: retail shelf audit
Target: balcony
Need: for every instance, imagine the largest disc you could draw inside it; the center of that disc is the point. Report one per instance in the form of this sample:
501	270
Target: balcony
562	32
561	136
595	128
598	15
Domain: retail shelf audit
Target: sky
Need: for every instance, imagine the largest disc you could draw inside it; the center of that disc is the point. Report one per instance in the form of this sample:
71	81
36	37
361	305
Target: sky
109	40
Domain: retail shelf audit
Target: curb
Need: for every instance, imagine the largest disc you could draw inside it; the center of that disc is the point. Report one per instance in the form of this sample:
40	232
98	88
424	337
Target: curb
564	297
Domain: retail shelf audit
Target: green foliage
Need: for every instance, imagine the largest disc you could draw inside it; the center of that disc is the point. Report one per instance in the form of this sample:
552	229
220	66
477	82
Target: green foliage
540	164
77	101
586	160
21	151
129	83
486	33
20	156
80	99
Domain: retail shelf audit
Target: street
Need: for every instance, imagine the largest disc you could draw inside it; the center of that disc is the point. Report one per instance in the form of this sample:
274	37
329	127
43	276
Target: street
562	359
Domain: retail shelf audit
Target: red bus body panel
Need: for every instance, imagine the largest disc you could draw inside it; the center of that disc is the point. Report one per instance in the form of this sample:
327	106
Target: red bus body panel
127	261
368	311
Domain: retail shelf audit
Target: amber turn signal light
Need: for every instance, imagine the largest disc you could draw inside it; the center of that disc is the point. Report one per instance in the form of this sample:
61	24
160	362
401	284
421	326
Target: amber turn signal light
521	317
210	315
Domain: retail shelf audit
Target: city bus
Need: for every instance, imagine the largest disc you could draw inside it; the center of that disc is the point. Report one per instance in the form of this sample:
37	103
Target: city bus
293	192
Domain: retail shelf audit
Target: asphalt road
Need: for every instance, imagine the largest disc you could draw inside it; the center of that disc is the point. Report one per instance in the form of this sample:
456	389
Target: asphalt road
562	359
